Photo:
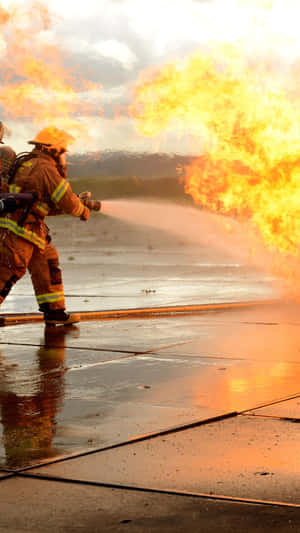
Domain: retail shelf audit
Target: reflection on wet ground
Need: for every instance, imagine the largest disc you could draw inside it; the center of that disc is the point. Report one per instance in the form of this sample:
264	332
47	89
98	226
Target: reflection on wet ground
64	391
29	405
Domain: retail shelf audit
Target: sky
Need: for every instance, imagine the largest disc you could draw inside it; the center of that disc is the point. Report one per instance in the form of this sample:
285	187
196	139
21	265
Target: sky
114	43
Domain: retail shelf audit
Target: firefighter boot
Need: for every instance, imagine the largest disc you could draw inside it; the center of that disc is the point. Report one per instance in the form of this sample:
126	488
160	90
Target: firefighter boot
60	317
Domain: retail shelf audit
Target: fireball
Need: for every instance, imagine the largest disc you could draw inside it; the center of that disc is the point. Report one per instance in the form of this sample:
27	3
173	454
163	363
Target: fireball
248	126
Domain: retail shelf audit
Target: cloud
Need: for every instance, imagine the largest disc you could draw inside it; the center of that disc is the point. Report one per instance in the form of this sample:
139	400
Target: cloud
113	49
112	42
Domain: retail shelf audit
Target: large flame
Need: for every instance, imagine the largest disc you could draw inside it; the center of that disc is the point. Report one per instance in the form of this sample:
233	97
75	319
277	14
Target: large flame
35	84
249	129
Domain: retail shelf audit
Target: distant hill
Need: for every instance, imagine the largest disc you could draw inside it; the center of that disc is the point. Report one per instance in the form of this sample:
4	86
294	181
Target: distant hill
129	164
128	174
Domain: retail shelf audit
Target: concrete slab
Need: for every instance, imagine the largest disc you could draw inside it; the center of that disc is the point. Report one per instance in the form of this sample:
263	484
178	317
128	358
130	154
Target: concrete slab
241	457
44	506
236	334
285	409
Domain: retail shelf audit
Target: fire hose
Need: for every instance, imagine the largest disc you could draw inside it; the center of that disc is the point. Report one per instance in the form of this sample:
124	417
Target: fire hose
10	202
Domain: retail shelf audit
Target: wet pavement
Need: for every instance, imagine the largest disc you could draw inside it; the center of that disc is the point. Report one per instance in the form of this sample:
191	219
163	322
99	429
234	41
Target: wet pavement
65	390
201	412
242	458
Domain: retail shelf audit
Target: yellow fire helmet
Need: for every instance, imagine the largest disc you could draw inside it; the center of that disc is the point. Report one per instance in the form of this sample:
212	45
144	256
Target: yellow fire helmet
53	138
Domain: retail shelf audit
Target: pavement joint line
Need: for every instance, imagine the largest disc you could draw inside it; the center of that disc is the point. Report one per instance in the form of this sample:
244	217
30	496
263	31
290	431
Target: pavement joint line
159	311
83	295
167	346
134	440
147	436
164	347
155	490
106	361
152	435
22	295
293	419
8	476
98	295
154	351
273	402
128	354
225	357
86	348
215	356
260	323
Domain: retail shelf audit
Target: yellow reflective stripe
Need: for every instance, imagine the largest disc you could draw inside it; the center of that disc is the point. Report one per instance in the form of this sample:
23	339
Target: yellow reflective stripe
14	188
25	164
42	207
10	224
60	191
79	210
50	297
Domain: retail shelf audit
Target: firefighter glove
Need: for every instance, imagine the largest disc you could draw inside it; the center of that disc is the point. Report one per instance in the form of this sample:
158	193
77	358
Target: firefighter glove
85	197
86	214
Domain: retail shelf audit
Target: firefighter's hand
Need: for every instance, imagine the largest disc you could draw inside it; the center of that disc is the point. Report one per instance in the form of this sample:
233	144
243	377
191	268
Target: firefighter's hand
86	214
85	197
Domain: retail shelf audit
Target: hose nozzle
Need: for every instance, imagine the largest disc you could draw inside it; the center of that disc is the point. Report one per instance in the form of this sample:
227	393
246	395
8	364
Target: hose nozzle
93	205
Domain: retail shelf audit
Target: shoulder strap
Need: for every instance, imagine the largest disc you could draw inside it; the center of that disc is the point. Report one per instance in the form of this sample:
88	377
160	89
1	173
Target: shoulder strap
20	159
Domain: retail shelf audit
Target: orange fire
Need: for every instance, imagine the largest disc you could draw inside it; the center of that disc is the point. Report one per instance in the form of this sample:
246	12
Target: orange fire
248	126
35	84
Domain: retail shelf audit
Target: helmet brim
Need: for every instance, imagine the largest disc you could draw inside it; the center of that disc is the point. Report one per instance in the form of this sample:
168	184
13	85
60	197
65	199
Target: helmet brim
36	142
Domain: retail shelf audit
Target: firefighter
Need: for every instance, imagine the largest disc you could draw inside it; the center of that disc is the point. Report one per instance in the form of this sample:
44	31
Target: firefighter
25	242
1	132
7	159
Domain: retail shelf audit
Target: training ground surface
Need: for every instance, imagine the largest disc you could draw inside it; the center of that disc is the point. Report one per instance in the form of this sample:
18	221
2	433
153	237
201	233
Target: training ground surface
168	422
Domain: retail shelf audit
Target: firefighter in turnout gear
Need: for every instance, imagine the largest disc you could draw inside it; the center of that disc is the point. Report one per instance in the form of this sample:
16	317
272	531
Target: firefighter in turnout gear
25	242
7	159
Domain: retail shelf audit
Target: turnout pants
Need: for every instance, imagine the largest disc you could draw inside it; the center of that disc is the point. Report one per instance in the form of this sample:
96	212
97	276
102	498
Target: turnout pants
17	255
